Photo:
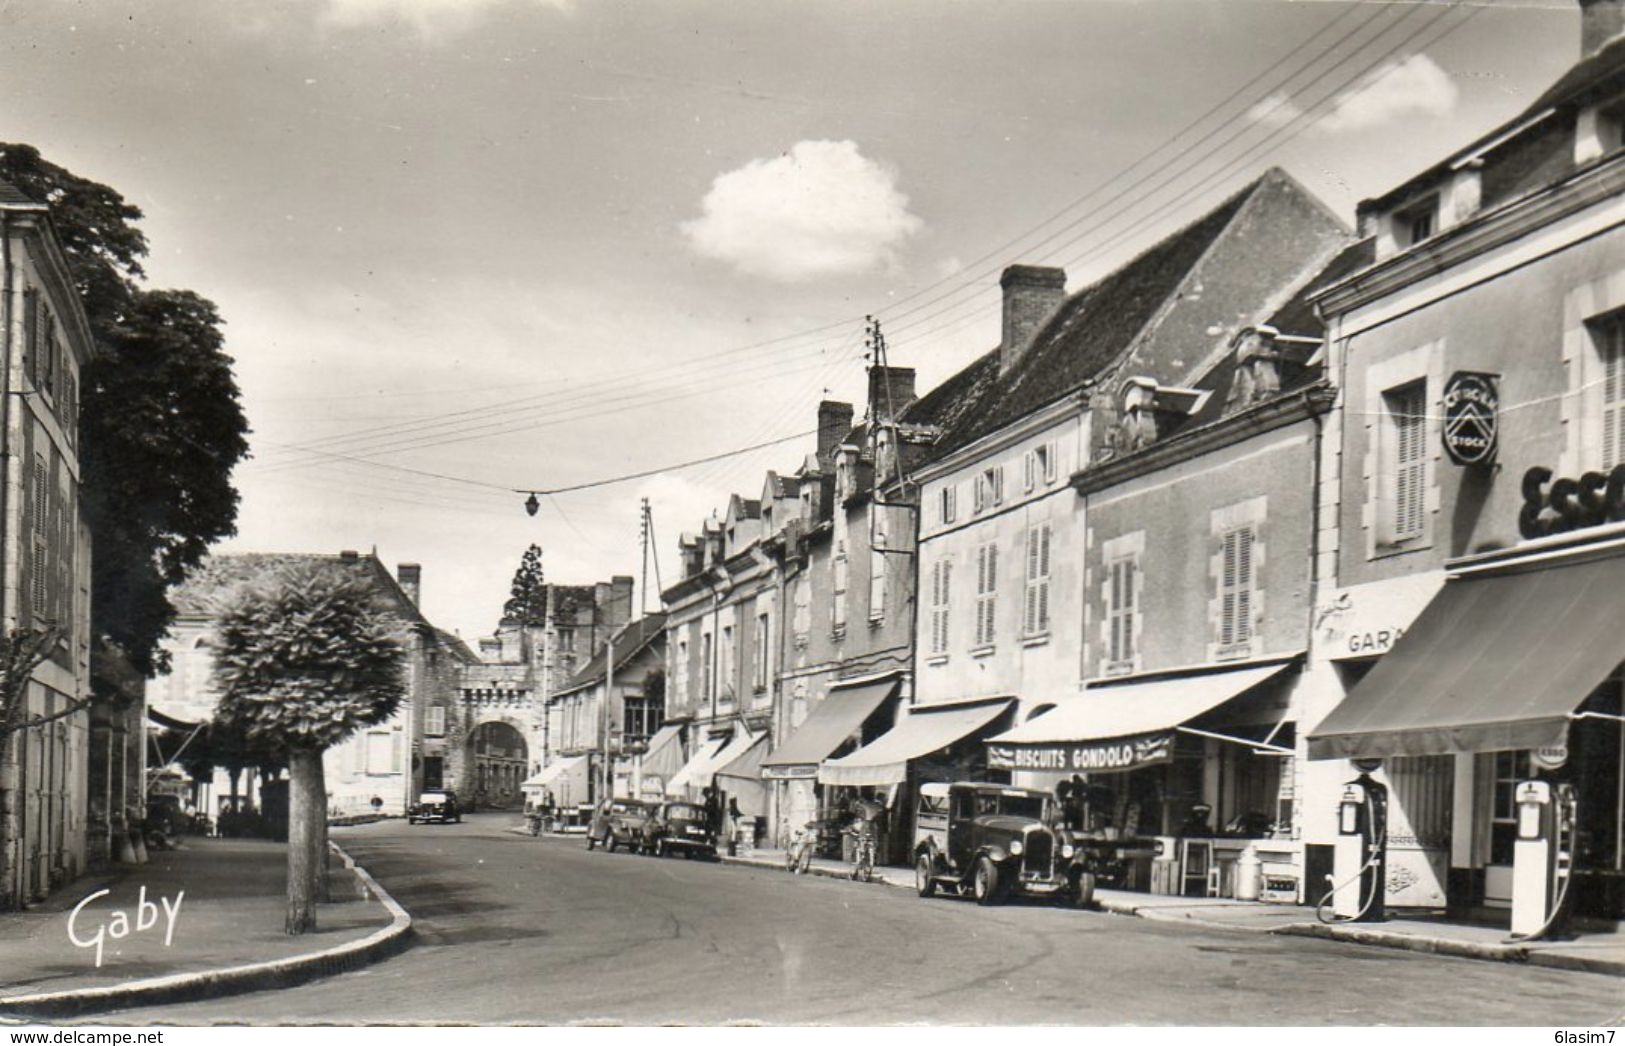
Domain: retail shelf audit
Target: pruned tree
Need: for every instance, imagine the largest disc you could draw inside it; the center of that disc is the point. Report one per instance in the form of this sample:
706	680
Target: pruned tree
527	599
306	657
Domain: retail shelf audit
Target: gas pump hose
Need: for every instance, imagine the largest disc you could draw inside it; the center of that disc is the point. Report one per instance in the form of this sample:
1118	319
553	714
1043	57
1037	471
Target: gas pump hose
1370	862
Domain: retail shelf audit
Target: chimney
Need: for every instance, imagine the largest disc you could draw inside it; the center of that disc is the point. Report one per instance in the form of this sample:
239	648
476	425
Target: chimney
1031	294
349	555
834	422
620	599
891	390
410	576
1600	22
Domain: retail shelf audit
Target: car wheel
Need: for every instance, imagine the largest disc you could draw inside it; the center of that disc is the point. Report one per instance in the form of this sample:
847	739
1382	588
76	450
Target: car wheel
985	884
925	884
1083	890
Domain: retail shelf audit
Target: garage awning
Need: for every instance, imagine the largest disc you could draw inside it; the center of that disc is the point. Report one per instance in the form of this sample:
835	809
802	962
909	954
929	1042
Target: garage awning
835	719
566	779
1120	726
1498	660
925	729
696	773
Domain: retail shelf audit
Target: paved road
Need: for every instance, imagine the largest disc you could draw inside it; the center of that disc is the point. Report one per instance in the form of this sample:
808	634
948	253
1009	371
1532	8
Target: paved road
518	930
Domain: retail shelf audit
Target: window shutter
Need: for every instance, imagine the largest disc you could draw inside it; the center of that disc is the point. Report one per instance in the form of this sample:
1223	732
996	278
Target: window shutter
1030	464
1244	586
1613	395
1227	583
1050	465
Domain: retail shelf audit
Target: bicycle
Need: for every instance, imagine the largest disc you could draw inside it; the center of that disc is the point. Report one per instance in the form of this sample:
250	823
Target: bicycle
863	851
798	855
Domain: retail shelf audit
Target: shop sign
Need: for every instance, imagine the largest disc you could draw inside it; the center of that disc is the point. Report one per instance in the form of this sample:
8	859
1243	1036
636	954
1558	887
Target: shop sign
1555	506
1471	403
798	772
1092	757
1552	757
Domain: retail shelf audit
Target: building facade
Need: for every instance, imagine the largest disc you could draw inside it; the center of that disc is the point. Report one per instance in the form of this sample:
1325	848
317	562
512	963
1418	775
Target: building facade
1474	461
48	808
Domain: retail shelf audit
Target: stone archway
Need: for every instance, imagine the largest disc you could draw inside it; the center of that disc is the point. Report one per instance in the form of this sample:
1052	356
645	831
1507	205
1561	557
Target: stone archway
497	761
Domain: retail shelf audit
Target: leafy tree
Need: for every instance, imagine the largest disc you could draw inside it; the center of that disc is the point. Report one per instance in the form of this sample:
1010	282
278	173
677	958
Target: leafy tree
306	657
527	601
161	420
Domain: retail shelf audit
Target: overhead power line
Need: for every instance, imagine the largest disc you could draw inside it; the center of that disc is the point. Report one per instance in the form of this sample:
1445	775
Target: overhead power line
541	492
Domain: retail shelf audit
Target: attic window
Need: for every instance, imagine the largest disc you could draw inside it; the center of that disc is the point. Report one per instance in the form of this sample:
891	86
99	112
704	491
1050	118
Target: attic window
1417	222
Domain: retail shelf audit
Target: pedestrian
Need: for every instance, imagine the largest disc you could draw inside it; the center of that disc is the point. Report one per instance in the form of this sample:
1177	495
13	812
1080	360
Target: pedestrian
598	830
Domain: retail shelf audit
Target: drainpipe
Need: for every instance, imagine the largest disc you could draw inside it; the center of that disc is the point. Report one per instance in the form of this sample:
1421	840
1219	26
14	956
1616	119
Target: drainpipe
9	865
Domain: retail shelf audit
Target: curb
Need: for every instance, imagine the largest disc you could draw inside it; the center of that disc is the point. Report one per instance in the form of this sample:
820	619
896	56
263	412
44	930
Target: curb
822	873
231	980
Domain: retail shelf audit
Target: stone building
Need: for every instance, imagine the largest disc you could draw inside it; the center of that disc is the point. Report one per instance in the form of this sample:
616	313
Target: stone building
49	805
391	761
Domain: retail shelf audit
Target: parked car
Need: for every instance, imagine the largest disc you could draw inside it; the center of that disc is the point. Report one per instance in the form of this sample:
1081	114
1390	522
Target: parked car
628	824
987	840
435	804
678	827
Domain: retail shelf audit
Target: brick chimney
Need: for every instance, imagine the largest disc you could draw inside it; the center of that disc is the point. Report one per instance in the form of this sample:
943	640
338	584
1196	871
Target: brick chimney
410	576
1032	293
891	389
1600	22
834	422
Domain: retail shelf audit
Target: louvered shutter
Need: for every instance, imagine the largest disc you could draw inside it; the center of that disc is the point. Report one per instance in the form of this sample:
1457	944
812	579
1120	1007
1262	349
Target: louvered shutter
1227	589
1043	589
1409	408
946	568
1613	394
1244	586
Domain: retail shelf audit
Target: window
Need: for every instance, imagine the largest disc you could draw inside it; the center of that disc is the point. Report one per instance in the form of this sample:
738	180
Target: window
987	570
382	751
643	716
41	567
837	608
31	332
948	503
1041	465
1122	577
708	675
759	656
1035	612
1416	223
989	488
728	668
1236	590
679	672
802	621
1610	340
434	721
567	639
941	576
1406	453
877	579
1510	768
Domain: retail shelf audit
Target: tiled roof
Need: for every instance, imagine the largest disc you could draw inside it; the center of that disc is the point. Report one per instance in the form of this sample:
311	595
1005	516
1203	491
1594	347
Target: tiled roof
946	404
210	587
1298	315
628	642
1601	70
11	196
1092	328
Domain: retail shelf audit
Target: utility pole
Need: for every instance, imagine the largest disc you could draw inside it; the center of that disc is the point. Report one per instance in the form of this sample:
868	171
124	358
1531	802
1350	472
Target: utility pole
643	535
609	687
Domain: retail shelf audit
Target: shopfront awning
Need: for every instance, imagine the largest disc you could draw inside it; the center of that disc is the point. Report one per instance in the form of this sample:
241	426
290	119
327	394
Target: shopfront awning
741	775
836	718
566	779
1496	661
696	773
1120	726
925	729
662	759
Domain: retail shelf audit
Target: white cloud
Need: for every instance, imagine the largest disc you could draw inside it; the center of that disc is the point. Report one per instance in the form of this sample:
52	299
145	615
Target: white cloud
1412	86
821	209
428	17
1277	110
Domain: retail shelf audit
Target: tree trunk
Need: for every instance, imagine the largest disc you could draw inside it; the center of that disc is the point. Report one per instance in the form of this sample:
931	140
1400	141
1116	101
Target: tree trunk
323	893
307	799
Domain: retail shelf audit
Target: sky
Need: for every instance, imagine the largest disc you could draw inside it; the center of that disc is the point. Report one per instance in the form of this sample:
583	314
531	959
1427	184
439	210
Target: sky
467	249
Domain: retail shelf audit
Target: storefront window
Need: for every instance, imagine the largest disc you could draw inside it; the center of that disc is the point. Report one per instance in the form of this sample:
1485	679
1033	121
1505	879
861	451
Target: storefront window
1510	768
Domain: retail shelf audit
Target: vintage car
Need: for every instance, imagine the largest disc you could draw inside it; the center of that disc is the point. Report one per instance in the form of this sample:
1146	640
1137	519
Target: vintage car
987	840
435	804
628	824
678	827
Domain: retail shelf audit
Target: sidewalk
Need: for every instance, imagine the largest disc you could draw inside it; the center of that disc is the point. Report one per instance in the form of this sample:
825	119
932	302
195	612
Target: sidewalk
1593	953
227	931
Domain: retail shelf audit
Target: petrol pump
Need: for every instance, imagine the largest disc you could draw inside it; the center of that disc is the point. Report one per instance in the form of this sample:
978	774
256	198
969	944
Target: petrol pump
1360	856
1542	855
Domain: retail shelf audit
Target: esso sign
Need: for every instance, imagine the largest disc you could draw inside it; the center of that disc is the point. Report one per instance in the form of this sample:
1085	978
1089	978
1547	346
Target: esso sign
1556	506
